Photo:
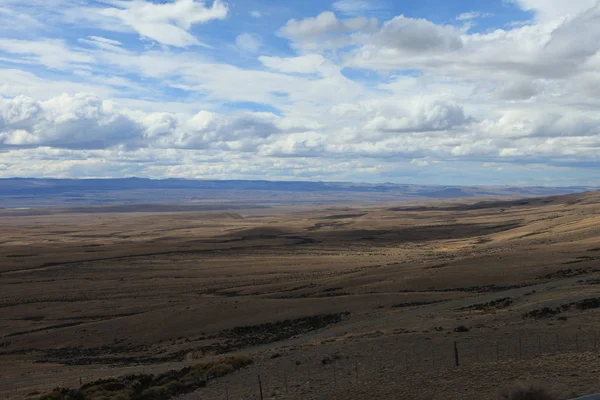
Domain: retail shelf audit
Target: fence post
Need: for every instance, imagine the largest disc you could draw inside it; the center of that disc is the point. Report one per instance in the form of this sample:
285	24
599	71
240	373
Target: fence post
497	352
334	375
520	348
260	387
456	359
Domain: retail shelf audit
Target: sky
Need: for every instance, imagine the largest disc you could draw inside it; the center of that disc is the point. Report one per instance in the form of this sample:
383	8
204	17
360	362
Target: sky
461	92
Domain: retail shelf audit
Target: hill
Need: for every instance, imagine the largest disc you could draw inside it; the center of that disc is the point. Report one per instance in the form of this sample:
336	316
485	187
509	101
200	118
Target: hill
22	192
327	302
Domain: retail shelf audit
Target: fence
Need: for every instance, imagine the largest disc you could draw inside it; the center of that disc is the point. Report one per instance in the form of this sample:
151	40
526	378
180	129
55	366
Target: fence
296	378
386	358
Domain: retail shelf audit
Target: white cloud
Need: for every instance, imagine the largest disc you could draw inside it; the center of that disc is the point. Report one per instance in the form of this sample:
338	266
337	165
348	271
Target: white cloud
16	20
84	121
420	163
16	82
248	42
167	23
472	15
548	10
326	31
425	117
103	43
307	64
81	121
375	96
256	14
417	35
52	53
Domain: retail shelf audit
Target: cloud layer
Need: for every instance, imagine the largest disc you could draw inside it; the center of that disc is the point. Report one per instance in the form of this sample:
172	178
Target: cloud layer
150	91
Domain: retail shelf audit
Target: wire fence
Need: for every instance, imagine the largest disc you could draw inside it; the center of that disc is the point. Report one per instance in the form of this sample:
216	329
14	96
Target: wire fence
334	371
337	372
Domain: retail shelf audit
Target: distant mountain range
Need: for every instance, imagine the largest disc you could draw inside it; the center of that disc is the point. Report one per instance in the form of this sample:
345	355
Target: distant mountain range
26	192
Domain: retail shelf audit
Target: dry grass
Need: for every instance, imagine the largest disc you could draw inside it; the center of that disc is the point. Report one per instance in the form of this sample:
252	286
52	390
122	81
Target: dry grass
90	290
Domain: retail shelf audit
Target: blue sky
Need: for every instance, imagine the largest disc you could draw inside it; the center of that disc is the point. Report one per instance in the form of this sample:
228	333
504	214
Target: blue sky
462	92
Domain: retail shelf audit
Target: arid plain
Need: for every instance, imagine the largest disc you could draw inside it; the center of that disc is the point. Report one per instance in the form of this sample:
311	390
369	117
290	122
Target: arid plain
329	302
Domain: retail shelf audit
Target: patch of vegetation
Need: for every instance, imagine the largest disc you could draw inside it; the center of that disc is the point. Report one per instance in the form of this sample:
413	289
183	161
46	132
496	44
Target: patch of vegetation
344	216
328	359
415	304
461	329
438	266
254	335
568	273
473	289
504	302
549	312
333	292
152	387
593	281
581	259
47	328
533	234
545	312
105	355
526	392
37	318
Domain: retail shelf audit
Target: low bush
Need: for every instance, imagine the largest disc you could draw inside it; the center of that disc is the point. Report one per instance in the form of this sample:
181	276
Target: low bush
526	392
152	387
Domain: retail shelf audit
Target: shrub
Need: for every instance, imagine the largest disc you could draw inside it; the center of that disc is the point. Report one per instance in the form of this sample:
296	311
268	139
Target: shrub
526	392
150	387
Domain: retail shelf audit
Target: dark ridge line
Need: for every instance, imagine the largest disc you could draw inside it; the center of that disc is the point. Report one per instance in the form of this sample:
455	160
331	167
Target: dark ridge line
164	253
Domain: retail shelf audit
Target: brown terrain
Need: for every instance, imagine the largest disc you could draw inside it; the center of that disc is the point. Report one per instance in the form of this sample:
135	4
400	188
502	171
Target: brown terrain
327	303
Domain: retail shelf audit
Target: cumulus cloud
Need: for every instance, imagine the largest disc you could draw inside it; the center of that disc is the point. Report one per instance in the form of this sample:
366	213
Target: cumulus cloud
326	31
428	117
166	23
84	121
81	121
546	50
417	35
